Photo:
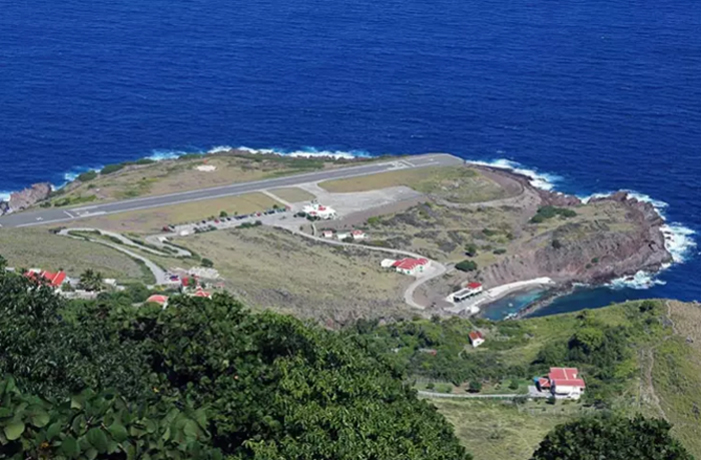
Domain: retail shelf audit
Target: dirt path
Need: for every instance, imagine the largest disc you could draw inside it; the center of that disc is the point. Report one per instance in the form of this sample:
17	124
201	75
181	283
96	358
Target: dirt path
431	394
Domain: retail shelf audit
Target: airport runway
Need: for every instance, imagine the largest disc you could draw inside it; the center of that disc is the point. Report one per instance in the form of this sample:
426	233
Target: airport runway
58	215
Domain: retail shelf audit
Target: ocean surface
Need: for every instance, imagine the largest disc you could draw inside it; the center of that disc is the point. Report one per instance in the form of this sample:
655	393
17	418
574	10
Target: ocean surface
593	96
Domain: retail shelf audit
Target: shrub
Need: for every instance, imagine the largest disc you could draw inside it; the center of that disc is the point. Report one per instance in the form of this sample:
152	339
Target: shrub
207	263
223	214
109	169
513	385
556	244
471	250
373	221
466	266
499	251
475	386
548	212
87	176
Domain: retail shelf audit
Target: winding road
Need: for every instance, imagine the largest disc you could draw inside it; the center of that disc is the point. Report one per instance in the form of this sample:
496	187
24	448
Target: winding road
438	269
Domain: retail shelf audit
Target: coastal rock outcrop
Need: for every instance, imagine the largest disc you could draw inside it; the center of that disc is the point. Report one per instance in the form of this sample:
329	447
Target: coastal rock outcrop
26	198
594	251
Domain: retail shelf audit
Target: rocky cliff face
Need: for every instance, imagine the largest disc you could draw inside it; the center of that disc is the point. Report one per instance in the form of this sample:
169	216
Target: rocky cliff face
593	251
26	198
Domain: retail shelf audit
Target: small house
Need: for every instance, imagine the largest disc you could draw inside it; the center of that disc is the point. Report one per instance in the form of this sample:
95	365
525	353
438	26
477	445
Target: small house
202	294
566	383
476	338
161	300
55	280
327	233
358	235
410	266
340	236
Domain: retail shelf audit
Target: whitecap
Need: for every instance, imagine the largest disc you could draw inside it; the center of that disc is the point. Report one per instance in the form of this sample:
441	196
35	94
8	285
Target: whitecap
679	240
160	155
538	179
310	152
640	281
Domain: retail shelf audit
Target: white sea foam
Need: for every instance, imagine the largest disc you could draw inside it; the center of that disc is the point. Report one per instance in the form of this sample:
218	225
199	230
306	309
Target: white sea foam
538	179
5	196
310	152
641	280
160	155
679	241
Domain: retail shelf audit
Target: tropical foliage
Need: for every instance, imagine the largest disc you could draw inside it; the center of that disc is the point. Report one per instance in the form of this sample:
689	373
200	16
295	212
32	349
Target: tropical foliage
200	379
612	438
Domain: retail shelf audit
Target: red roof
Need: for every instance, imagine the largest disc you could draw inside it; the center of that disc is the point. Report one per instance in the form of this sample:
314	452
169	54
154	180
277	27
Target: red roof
474	335
566	376
201	293
543	382
358	232
409	264
474	285
54	279
157	298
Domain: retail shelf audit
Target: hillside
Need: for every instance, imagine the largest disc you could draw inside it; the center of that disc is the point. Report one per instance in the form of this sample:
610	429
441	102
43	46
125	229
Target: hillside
637	357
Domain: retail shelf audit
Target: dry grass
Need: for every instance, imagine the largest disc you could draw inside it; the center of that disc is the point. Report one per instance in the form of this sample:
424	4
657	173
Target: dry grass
292	194
456	183
270	268
498	430
677	375
180	175
37	248
152	220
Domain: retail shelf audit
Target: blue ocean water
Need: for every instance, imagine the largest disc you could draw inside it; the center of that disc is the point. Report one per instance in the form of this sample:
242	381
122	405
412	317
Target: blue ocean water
603	95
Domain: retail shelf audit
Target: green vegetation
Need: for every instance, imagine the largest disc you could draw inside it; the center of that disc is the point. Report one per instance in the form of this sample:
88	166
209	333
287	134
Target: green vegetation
74	200
548	212
612	438
471	250
109	169
91	280
201	379
466	266
207	263
87	176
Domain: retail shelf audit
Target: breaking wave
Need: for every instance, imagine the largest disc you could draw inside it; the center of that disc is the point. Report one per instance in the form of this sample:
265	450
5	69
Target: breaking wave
538	179
640	281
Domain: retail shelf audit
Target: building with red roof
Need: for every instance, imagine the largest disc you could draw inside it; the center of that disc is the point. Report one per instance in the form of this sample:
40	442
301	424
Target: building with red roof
55	280
202	293
161	300
476	338
358	235
565	382
410	266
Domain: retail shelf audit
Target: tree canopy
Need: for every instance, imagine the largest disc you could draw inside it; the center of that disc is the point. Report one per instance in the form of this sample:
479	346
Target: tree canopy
613	438
204	378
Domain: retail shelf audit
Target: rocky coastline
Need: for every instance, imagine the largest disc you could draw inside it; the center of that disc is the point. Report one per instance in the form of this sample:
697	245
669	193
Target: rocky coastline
26	198
590	253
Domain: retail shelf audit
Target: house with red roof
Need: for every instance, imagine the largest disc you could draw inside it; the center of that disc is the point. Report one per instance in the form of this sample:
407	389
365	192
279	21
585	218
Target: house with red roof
202	293
55	280
161	300
476	338
327	233
358	235
410	266
566	383
470	289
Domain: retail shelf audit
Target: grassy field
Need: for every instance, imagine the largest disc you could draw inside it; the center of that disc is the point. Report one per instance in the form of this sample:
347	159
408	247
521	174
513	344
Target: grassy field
270	268
37	248
152	220
457	184
676	374
292	194
503	430
170	176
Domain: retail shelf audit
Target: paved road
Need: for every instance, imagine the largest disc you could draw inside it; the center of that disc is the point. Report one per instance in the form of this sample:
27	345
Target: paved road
431	394
436	268
158	273
57	215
